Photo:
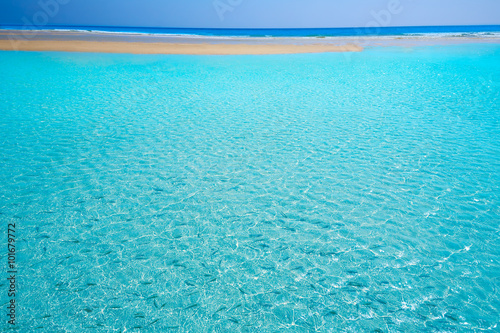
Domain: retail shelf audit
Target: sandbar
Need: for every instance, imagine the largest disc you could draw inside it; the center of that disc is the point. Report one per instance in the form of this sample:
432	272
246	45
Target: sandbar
139	43
75	41
170	48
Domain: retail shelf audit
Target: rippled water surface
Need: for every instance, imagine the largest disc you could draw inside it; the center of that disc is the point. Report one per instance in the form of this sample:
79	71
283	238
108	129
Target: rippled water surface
292	193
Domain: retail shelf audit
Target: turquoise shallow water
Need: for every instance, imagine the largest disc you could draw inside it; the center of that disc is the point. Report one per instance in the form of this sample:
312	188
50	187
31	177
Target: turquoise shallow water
292	193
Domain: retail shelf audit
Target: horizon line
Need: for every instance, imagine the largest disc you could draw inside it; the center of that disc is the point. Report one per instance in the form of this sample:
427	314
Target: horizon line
205	28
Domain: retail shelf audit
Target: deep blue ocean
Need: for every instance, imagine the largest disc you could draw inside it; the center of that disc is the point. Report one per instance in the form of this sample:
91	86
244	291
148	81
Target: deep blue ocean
335	192
481	30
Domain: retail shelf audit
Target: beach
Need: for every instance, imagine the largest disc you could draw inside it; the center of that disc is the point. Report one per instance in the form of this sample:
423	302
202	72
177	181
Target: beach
136	43
144	44
172	48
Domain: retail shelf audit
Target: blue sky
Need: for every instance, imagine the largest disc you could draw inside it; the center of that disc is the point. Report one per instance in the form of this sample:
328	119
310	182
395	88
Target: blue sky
250	13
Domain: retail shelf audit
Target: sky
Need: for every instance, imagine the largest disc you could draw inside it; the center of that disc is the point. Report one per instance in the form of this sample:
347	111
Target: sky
249	13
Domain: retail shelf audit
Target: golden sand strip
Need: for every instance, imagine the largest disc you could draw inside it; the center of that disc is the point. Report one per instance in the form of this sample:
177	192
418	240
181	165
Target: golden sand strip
172	48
